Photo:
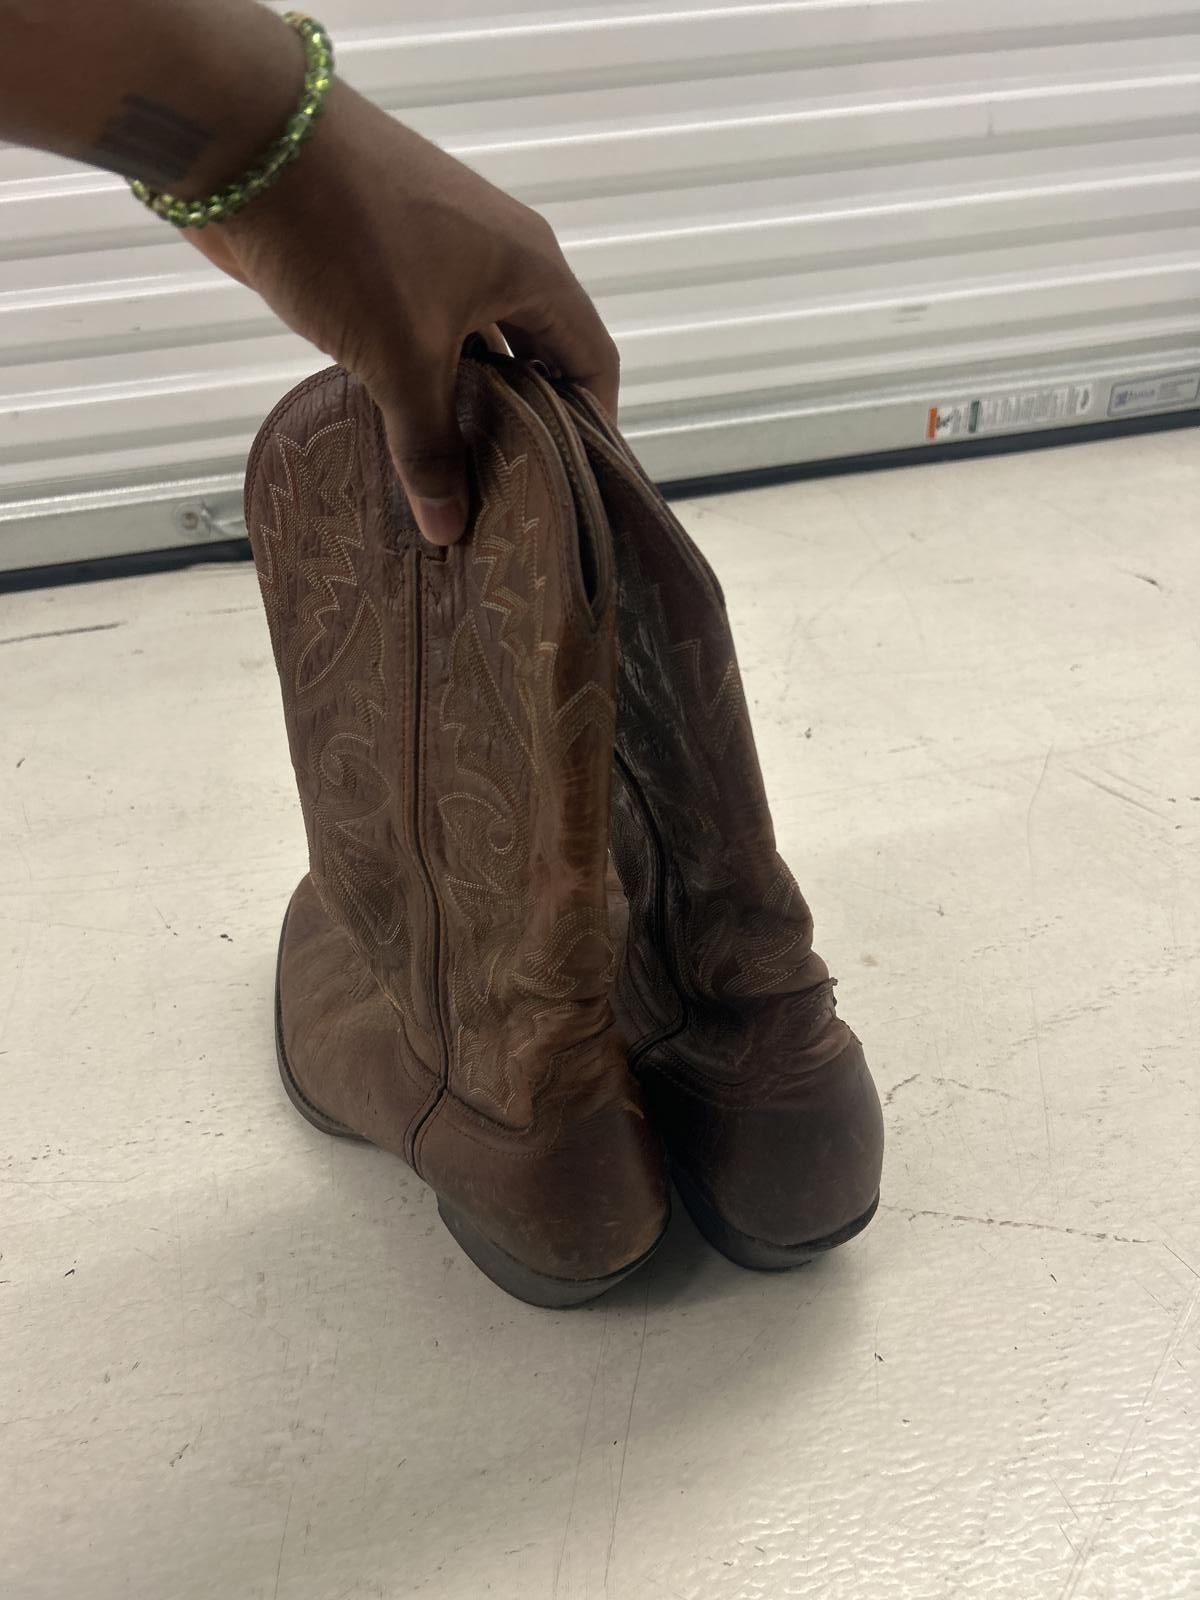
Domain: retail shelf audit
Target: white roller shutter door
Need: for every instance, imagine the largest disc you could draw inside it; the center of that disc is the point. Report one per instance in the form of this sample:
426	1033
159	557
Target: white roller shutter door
818	228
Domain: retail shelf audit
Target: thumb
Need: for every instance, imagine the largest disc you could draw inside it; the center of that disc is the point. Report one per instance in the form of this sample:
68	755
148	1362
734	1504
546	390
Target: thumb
427	450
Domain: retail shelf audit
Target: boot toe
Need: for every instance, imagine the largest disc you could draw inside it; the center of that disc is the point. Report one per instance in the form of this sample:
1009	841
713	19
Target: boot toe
786	1175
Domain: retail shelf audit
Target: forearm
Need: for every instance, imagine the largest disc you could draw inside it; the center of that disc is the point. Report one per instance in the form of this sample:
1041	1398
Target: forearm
376	246
182	93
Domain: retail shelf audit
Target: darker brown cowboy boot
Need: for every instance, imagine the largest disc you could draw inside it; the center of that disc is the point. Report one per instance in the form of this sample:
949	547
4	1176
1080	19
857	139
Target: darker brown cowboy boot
761	1091
446	967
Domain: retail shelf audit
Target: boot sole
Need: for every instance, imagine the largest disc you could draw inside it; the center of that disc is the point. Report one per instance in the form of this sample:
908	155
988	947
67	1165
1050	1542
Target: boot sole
760	1255
509	1274
522	1282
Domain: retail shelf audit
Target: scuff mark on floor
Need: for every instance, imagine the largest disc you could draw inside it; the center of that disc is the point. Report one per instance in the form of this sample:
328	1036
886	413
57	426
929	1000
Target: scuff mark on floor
62	633
896	1088
1017	1222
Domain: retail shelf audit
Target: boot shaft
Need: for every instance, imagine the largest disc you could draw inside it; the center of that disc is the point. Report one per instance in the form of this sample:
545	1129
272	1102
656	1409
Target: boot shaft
717	920
450	716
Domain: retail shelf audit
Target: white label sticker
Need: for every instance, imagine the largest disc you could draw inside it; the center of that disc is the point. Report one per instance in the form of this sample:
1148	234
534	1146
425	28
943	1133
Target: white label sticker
1006	413
1153	394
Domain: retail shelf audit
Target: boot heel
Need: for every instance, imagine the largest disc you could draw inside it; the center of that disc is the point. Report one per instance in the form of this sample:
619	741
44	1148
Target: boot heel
759	1255
522	1282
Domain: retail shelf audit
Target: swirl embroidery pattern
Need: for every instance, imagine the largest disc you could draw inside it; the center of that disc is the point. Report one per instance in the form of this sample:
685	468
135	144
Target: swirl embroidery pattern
513	755
329	647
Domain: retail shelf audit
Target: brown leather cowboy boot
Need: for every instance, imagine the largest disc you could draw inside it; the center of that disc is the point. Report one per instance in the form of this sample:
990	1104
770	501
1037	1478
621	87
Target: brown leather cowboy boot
761	1091
445	968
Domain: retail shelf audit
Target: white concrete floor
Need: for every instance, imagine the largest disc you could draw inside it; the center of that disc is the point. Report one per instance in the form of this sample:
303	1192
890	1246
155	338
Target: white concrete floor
242	1360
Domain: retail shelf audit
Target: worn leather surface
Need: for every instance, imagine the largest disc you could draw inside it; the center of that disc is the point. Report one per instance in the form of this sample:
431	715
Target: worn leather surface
761	1090
447	965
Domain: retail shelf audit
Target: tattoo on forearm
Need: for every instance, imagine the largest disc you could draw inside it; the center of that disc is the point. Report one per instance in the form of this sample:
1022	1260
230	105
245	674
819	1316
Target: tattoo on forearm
149	141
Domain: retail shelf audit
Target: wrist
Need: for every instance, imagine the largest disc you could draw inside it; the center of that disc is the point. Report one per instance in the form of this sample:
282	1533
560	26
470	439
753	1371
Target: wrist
318	190
256	87
232	196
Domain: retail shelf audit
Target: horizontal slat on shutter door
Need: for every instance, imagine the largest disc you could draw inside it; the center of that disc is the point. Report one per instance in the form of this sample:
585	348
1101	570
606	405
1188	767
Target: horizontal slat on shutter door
806	223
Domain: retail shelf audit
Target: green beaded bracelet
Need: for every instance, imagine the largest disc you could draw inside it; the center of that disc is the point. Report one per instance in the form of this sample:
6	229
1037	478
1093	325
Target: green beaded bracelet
227	202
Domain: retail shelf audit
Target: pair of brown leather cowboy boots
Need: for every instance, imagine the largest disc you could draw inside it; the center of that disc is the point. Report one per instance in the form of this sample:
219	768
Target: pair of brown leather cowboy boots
473	731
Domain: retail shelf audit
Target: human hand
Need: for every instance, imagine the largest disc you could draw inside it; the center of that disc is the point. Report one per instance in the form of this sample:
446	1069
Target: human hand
387	253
